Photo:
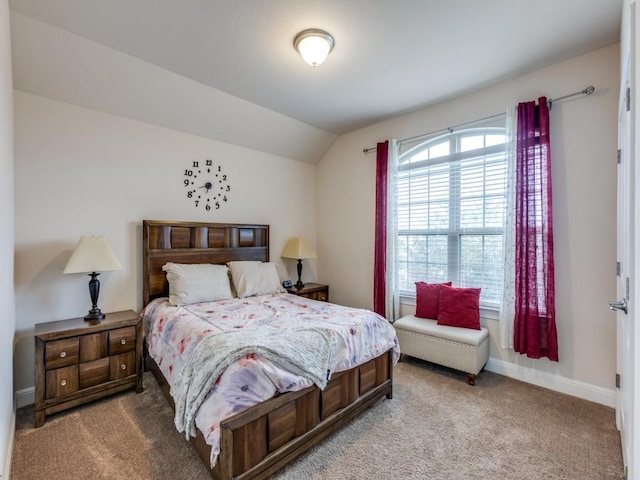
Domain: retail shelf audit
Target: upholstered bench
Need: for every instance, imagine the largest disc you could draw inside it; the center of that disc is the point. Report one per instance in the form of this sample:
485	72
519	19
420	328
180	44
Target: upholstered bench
462	349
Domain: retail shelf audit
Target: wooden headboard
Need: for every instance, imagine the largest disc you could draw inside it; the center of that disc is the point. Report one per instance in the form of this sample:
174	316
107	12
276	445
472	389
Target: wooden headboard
195	242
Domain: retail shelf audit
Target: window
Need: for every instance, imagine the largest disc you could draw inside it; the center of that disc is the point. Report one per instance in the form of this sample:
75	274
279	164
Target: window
451	197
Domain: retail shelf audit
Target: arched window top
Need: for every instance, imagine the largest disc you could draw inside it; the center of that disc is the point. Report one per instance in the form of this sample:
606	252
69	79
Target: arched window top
454	144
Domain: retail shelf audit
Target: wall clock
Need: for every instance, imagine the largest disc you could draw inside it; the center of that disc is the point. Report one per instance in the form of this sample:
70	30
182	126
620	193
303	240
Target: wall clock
207	185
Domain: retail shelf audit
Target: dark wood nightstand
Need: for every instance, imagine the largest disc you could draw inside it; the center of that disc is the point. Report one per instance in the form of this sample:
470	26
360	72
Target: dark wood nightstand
315	291
79	361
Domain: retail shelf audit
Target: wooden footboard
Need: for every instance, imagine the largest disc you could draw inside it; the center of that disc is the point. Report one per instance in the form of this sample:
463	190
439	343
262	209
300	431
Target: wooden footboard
257	442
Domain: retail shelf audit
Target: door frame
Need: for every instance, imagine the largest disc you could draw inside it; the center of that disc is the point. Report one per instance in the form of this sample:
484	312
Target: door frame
629	340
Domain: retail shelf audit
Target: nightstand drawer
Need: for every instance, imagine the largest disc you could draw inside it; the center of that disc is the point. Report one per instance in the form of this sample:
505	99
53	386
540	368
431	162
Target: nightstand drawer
322	296
122	340
60	353
94	346
61	381
314	291
94	373
122	365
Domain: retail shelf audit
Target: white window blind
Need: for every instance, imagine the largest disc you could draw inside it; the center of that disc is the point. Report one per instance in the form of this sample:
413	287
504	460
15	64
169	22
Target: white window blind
451	211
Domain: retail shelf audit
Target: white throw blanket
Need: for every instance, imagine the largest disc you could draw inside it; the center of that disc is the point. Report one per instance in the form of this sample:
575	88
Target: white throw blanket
303	351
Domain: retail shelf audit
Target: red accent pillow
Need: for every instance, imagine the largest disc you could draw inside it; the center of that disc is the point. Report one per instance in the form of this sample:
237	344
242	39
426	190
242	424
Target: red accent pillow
427	299
459	307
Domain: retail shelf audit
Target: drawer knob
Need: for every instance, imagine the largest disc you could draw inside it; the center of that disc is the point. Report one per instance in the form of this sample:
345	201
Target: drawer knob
63	383
123	341
63	354
123	367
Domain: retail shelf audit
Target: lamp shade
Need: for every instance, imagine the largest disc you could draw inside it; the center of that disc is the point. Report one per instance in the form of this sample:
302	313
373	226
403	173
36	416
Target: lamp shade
298	247
313	45
92	254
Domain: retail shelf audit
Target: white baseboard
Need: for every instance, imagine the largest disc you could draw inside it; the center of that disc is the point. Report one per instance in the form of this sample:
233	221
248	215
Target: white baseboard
586	391
24	397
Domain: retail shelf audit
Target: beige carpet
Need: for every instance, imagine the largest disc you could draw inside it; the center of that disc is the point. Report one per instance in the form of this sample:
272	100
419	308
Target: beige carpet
436	427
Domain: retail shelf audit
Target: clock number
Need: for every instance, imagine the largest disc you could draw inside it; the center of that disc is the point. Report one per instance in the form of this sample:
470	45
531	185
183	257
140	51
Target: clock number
186	182
207	207
219	168
195	164
188	173
224	178
190	194
225	198
197	201
209	163
217	205
228	188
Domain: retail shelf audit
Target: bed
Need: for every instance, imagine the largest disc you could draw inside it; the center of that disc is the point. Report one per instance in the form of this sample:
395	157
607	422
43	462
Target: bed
259	440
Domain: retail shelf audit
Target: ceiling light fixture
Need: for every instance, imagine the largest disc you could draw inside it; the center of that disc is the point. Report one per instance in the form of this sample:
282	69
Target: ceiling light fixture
314	45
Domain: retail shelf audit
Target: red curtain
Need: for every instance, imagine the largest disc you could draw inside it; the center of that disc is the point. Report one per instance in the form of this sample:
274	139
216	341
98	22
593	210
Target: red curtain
380	253
534	323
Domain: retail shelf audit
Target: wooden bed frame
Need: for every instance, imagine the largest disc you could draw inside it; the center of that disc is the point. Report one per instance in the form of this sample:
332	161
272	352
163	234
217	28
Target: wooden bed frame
257	442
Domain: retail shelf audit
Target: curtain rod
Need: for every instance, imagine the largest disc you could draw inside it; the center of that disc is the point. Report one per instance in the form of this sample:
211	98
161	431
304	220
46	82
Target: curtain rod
587	91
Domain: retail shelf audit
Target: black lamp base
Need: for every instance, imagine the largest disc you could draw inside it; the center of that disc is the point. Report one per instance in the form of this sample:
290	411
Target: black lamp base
299	283
94	291
94	314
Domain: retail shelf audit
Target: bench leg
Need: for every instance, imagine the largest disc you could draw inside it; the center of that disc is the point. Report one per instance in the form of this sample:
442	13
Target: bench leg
471	379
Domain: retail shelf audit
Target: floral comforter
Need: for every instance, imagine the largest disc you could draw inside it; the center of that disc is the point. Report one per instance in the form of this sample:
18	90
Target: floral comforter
357	336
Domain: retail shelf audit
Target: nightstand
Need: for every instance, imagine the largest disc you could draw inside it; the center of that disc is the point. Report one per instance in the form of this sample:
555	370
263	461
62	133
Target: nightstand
79	361
315	291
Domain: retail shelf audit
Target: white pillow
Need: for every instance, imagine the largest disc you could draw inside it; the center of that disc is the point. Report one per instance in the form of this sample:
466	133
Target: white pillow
197	283
255	278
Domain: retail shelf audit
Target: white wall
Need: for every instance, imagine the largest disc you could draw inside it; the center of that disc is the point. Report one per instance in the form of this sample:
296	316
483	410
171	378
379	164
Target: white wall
54	63
7	311
584	170
80	172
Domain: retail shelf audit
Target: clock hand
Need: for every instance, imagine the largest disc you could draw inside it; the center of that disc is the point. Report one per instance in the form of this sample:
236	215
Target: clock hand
207	185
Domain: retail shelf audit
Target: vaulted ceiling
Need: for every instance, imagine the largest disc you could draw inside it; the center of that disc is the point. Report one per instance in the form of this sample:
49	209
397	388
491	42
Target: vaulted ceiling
390	56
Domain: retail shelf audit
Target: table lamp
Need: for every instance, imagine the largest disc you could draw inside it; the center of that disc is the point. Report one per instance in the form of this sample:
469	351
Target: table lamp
299	248
93	255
